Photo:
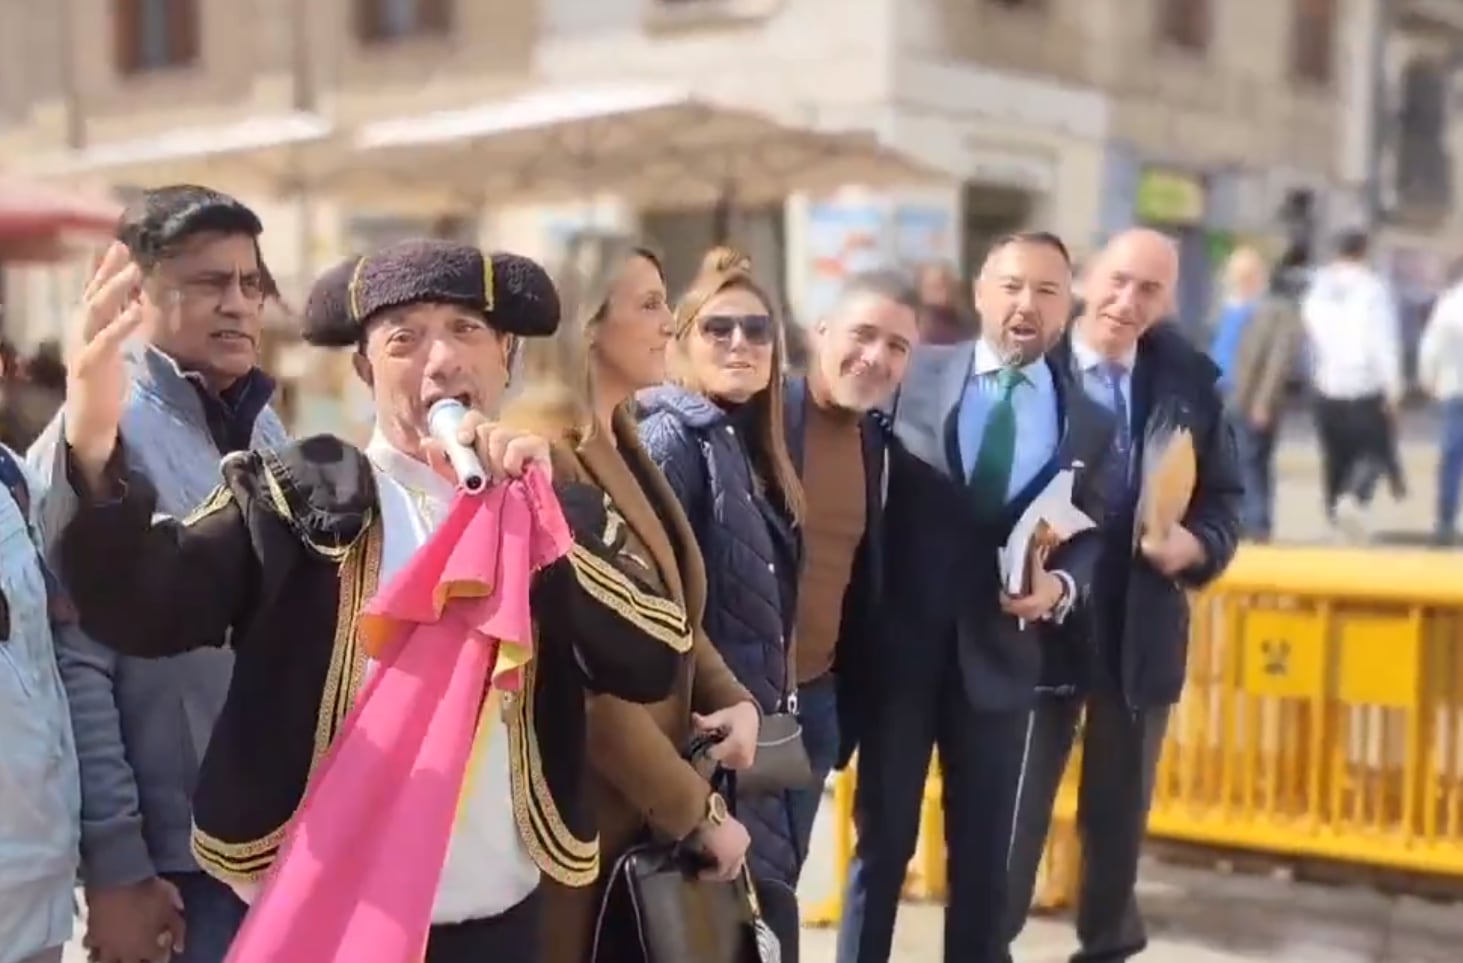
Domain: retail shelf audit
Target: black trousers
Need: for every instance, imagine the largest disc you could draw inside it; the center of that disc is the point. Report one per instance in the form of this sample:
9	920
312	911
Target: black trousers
980	761
510	937
1120	751
1357	449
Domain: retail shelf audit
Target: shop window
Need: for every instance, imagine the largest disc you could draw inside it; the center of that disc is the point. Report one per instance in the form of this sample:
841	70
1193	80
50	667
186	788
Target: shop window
151	35
1313	40
1185	23
387	21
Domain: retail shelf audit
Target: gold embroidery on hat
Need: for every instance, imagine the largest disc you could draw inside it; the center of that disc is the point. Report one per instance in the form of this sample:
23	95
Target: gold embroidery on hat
355	291
487	284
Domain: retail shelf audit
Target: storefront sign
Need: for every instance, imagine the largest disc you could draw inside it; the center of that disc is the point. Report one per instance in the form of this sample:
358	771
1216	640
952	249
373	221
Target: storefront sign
1169	197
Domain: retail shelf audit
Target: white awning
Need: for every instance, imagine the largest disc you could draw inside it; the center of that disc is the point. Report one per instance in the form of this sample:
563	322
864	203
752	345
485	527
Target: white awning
256	148
655	146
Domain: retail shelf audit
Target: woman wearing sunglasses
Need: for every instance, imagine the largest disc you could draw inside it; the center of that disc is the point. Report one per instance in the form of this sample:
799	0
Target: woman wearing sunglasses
716	431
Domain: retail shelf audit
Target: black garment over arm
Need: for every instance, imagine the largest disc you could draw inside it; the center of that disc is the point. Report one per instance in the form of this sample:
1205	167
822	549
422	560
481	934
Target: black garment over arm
157	588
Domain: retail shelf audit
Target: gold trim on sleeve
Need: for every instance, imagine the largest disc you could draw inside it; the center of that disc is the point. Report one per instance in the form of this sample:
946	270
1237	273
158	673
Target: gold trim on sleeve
360	571
218	499
658	618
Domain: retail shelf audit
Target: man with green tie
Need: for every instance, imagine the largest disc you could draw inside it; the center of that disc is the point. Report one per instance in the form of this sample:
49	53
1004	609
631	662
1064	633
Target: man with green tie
979	430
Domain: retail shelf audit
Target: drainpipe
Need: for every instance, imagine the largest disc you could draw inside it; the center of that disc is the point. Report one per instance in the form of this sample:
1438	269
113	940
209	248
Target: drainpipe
70	90
1380	134
302	83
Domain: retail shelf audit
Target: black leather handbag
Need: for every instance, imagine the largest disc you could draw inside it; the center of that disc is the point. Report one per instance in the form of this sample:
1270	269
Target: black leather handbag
656	907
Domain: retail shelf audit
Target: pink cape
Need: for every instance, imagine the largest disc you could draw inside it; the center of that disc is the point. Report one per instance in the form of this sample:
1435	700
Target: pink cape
358	872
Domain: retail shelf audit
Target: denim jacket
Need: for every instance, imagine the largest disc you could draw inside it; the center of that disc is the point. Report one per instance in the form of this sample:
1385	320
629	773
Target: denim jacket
40	791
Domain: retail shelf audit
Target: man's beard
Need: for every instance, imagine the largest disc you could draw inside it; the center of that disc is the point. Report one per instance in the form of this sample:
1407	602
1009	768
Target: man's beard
856	394
1019	354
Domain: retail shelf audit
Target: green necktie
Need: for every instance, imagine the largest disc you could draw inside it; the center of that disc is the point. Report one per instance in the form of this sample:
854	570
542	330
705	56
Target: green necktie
991	474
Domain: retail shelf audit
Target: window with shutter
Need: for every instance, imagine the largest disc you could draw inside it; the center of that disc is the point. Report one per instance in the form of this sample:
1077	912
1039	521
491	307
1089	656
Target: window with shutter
183	33
435	16
383	21
370	24
155	34
1185	23
1313	40
126	34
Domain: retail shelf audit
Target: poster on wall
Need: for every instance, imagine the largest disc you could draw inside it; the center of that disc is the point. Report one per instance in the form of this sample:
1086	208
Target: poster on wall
843	238
924	233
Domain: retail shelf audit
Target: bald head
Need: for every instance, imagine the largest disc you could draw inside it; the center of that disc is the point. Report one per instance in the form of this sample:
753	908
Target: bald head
1246	274
1129	288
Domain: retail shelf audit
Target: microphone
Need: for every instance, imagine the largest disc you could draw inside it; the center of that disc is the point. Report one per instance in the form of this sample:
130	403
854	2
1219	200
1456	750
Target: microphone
443	420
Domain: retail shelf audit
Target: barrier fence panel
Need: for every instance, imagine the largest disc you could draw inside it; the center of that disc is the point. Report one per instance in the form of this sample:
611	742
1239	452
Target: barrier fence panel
1322	719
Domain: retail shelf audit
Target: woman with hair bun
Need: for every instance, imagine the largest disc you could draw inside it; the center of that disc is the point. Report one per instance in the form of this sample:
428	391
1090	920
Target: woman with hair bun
716	431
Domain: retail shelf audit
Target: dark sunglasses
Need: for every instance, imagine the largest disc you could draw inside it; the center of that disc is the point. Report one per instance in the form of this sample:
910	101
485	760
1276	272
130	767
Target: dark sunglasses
758	329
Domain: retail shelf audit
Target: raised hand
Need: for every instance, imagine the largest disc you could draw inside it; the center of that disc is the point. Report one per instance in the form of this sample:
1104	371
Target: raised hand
96	377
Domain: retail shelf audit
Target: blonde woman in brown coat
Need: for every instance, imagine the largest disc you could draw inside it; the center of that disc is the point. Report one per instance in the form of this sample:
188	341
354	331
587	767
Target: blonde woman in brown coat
575	389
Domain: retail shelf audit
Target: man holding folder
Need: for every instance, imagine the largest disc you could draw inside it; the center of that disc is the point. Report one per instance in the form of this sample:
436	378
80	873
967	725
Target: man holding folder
981	431
1173	495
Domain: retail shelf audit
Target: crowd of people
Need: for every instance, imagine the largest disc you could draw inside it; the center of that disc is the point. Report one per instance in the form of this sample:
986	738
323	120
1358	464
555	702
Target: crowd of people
31	390
771	571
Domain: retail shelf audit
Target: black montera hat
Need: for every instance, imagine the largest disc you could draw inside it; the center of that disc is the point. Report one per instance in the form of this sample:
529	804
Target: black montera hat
327	322
513	292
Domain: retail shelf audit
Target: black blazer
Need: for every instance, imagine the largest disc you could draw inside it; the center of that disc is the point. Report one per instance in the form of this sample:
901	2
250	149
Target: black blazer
941	575
1138	627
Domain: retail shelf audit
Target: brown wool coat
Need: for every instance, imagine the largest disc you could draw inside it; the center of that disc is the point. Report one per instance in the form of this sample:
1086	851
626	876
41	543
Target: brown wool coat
638	777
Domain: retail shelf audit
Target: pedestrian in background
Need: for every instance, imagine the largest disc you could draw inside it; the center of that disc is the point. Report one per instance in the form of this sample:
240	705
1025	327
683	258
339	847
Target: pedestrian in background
944	317
1351	323
1440	370
1256	337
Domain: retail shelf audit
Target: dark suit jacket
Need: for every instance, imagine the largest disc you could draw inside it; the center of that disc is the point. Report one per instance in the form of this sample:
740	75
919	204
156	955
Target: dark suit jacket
941	575
856	653
1138	623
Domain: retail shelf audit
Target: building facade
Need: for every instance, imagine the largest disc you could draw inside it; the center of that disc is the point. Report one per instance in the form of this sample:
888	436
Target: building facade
1082	116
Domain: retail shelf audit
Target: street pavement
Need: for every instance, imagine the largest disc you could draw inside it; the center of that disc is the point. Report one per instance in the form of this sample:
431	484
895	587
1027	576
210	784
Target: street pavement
1205	916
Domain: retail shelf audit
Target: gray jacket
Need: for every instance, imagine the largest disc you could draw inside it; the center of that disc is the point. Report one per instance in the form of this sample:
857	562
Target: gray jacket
142	725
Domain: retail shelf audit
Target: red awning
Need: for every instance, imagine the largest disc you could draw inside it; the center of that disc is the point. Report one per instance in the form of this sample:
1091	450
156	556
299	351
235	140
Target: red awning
32	210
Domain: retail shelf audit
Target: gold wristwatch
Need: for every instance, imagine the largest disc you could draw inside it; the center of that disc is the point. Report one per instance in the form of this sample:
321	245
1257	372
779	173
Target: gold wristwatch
716	811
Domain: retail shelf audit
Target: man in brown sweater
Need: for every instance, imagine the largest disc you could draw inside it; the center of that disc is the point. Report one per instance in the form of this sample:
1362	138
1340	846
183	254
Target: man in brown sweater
858	358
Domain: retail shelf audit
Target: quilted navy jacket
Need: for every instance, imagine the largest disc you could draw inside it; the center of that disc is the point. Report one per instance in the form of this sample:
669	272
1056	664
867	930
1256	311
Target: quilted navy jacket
752	557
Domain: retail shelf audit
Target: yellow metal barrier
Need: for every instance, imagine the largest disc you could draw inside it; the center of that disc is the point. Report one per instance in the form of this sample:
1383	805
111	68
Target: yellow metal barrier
1322	719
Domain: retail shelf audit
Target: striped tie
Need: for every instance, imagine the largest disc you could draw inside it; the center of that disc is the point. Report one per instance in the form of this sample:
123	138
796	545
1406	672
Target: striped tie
1116	469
